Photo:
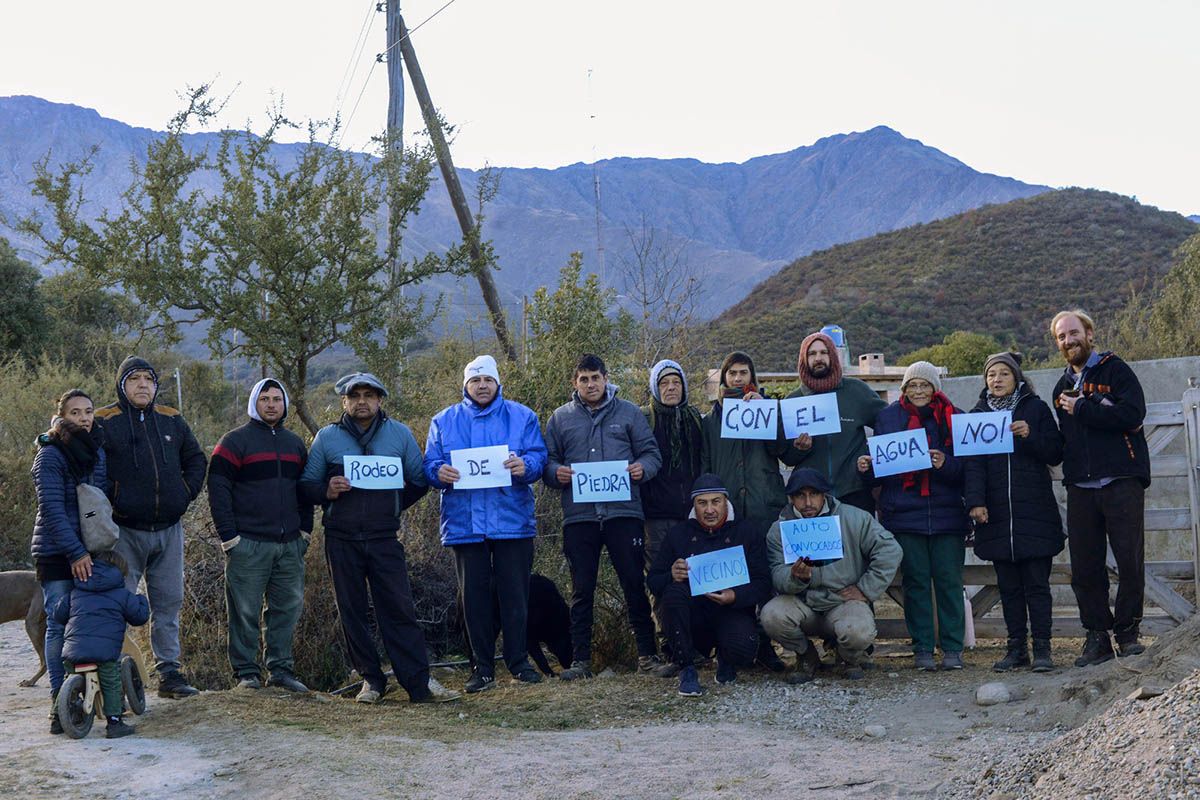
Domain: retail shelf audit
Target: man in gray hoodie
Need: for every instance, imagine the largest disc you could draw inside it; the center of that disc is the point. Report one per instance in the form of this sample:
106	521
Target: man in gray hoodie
597	426
830	599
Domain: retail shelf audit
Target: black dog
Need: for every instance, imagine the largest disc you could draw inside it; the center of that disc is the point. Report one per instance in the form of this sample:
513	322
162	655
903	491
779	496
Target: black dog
549	623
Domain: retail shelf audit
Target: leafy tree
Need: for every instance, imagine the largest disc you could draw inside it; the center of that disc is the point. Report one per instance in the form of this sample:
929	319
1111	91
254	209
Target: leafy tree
1167	326
88	326
281	261
961	352
23	323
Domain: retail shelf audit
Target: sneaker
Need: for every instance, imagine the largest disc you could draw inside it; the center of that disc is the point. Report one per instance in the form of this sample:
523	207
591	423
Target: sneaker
115	730
923	661
368	694
249	682
1041	656
286	680
1133	648
689	683
1097	649
173	685
807	664
1017	656
952	660
577	671
649	663
480	682
726	673
667	670
528	675
435	693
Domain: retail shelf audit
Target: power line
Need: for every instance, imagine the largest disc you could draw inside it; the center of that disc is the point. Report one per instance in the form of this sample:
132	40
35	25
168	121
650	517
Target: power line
364	31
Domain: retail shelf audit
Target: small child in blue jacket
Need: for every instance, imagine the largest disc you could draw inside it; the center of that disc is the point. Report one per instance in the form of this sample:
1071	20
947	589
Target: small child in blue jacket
95	615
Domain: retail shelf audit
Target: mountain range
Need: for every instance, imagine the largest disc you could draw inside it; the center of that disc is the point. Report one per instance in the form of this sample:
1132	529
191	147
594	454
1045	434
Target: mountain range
735	223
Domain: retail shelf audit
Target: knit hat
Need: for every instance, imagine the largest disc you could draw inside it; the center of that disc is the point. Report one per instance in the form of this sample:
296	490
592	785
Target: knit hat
807	478
707	484
1008	359
925	371
738	357
661	370
346	383
832	379
482	365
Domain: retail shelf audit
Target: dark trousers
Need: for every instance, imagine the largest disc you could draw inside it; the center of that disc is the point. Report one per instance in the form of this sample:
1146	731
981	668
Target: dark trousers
1025	587
863	498
695	625
495	568
380	564
581	545
1114	514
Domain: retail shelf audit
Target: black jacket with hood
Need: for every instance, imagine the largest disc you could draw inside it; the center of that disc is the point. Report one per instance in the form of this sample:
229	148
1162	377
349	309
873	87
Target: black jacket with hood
254	479
155	465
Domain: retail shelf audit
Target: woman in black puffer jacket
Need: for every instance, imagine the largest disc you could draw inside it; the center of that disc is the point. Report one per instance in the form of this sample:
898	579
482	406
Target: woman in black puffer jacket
1011	500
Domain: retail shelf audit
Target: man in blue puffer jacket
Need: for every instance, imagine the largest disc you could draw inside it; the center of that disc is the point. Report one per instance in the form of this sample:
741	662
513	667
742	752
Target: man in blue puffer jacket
490	529
95	614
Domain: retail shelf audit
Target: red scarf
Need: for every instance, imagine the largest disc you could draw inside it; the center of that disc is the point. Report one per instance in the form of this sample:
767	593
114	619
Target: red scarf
833	378
939	410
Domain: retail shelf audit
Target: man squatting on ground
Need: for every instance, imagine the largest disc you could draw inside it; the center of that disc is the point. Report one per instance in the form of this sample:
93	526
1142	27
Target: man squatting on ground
829	600
491	529
596	425
1106	469
361	540
155	470
725	619
264	522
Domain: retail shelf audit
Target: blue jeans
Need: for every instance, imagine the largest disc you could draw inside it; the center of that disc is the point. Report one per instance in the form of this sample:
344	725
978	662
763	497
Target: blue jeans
52	592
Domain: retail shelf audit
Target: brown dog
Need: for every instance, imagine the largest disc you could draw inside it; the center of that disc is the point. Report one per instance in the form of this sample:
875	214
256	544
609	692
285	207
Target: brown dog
21	598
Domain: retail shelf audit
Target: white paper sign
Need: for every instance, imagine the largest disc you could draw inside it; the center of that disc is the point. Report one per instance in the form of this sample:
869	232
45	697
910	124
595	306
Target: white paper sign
481	467
601	482
982	434
374	472
749	419
815	414
903	451
816	538
720	569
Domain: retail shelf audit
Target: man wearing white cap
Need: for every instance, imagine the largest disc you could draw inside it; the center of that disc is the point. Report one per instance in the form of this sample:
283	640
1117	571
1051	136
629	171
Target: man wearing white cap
490	529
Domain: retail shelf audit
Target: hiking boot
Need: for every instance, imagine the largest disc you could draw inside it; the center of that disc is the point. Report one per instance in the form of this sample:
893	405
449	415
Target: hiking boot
807	664
1096	649
853	672
649	663
952	660
726	673
249	682
577	671
172	685
1130	648
689	683
528	674
436	693
923	661
1017	656
1041	656
480	682
368	694
286	680
117	728
667	670
767	658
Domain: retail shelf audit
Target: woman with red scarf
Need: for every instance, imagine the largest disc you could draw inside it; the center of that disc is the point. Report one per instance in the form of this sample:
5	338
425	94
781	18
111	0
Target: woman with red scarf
924	510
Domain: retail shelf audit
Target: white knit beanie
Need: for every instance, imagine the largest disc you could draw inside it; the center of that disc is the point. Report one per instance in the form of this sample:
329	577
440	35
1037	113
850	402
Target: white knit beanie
924	371
482	365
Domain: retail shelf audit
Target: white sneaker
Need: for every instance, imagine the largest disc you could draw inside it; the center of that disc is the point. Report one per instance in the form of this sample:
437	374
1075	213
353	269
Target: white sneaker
440	693
367	695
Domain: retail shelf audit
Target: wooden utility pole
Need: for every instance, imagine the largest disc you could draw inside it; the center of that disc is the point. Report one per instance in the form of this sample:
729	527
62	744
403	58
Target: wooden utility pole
395	129
457	199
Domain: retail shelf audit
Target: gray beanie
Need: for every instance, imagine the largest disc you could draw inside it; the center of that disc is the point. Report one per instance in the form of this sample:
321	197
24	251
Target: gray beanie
1008	359
924	371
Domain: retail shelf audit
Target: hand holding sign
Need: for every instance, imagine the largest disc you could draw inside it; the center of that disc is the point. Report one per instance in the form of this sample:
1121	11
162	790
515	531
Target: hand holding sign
814	414
750	419
720	569
815	538
894	453
982	433
374	472
481	467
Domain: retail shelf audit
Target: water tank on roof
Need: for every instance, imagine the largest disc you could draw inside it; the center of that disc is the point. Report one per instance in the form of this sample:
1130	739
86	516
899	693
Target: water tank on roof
838	336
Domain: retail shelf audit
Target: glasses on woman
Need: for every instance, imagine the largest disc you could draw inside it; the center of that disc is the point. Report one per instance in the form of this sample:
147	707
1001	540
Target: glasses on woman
920	387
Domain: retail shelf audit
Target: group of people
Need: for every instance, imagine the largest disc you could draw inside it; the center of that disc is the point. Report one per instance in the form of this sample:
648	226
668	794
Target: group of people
691	492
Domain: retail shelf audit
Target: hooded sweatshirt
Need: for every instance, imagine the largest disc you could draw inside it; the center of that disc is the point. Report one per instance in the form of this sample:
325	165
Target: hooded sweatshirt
254	479
680	437
155	465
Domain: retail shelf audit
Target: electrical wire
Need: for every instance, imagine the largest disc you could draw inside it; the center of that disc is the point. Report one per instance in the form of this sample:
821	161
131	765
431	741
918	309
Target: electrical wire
364	31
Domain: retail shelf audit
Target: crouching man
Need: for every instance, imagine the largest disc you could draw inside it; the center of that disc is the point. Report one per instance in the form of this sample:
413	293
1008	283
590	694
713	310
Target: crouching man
831	600
725	619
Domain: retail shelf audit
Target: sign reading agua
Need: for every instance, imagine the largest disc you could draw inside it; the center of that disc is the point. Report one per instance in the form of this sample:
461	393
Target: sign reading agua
894	453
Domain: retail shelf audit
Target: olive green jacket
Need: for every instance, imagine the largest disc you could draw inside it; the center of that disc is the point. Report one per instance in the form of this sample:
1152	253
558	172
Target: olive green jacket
749	468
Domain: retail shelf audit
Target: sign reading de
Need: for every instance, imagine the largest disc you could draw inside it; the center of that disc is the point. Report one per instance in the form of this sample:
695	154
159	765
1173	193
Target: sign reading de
816	414
374	472
903	451
720	569
816	538
481	467
982	434
749	419
601	482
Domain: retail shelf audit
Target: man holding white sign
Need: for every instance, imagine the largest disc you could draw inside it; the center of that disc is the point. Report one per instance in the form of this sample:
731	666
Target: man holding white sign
597	426
823	597
483	454
835	455
361	544
722	619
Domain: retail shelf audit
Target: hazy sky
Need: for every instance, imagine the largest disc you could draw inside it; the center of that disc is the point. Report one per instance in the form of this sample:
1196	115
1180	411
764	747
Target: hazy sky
1097	94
